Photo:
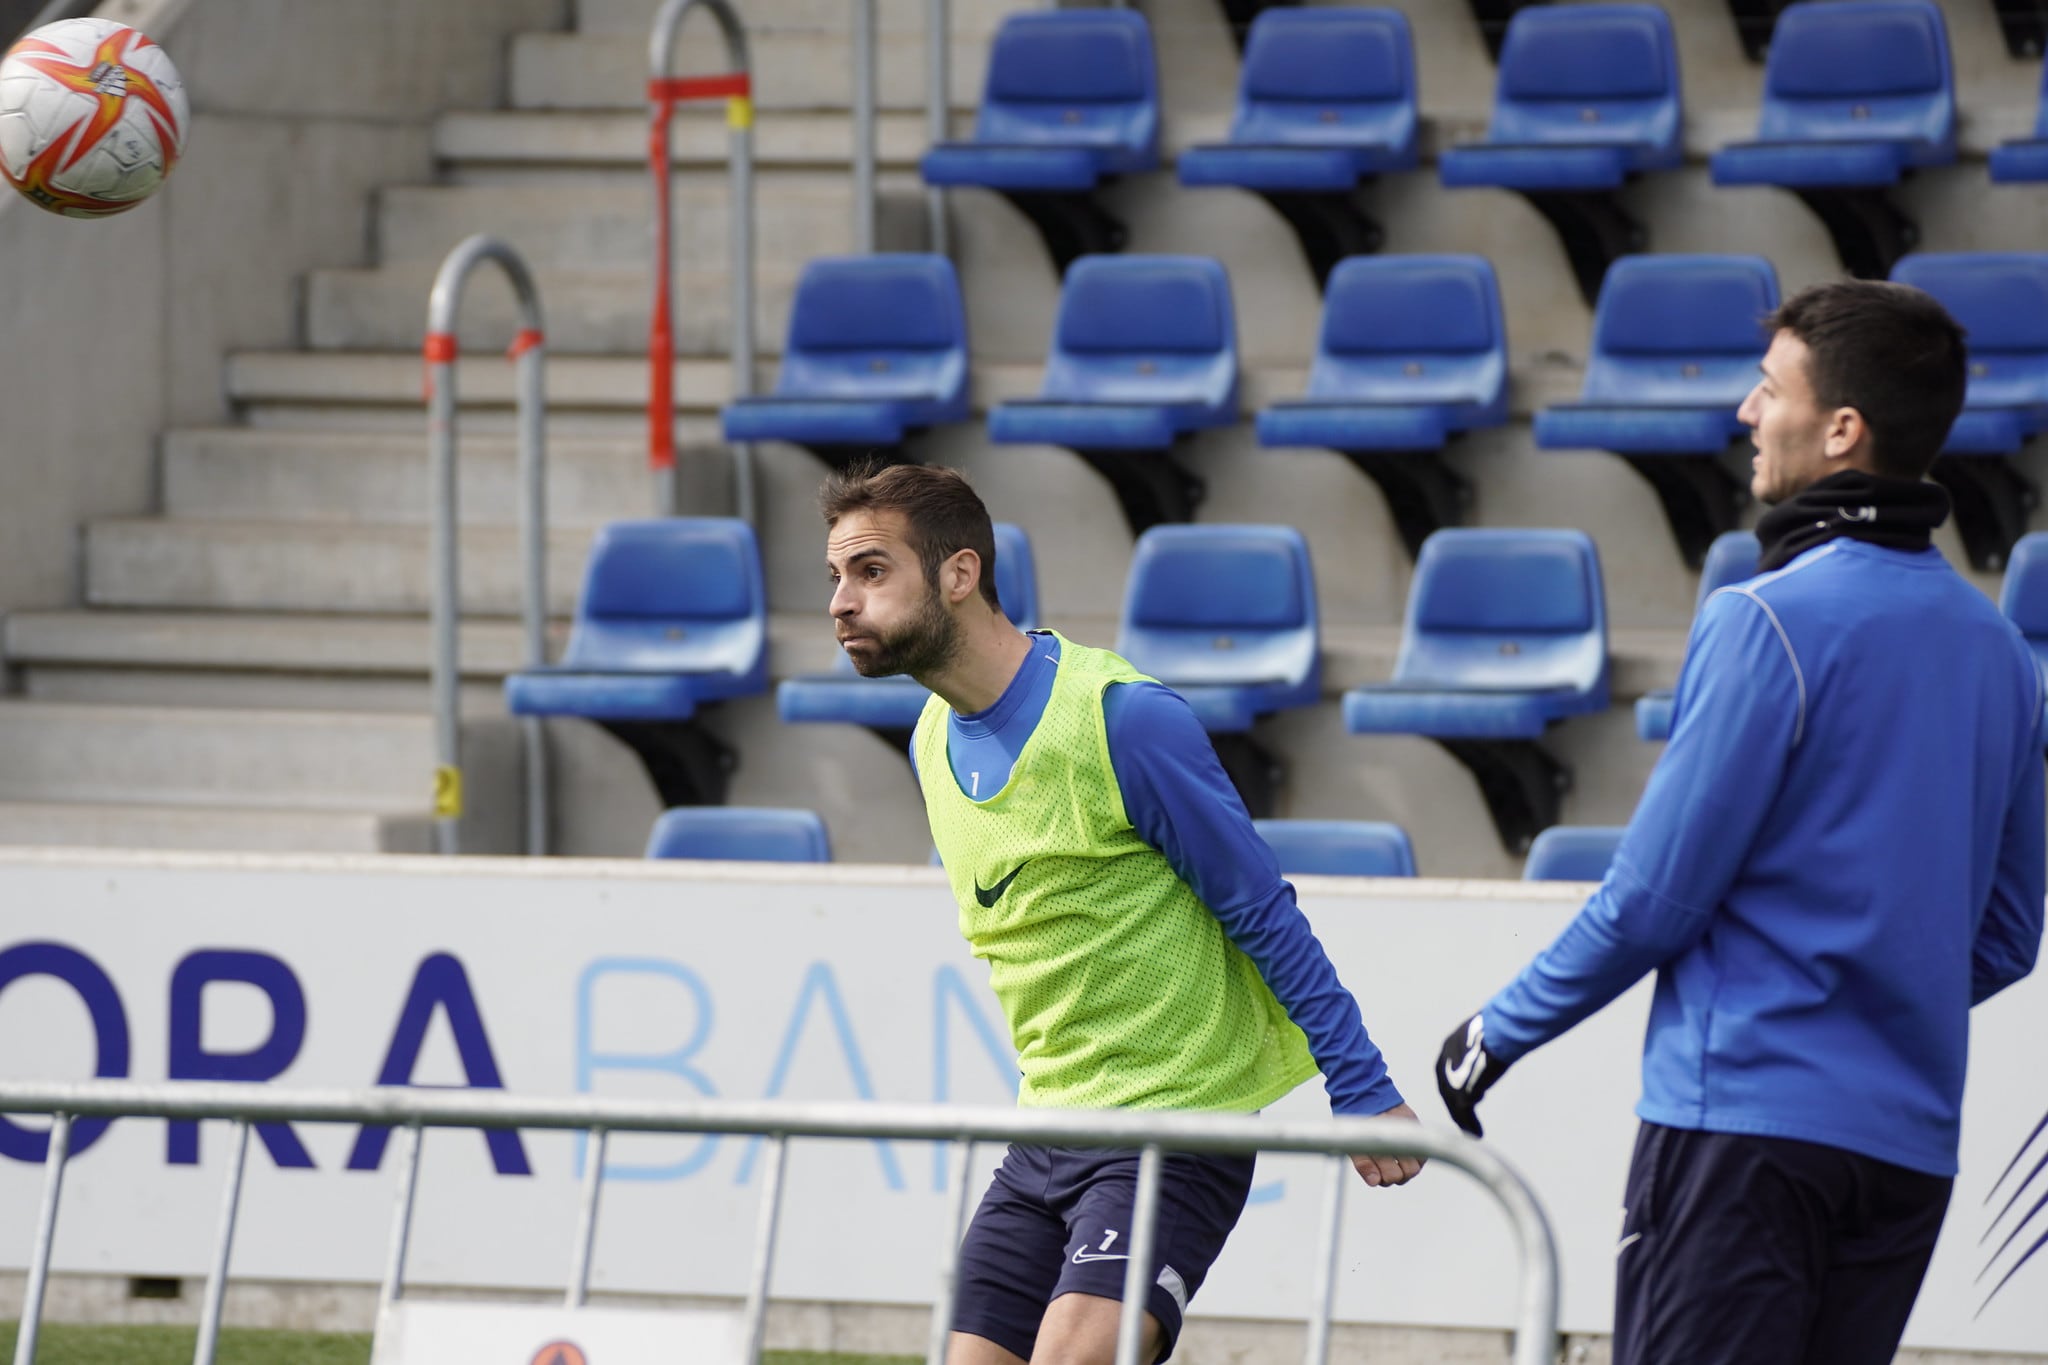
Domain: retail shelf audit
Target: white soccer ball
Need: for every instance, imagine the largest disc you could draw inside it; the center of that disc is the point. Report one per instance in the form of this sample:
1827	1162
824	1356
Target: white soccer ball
92	117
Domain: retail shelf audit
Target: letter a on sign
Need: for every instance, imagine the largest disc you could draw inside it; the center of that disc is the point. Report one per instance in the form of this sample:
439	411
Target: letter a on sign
560	1353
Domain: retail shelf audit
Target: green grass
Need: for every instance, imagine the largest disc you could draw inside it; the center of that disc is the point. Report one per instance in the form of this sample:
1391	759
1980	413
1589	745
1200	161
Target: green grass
64	1344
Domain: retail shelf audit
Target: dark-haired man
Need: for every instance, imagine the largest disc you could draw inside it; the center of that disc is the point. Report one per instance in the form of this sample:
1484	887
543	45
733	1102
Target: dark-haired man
1141	941
1839	855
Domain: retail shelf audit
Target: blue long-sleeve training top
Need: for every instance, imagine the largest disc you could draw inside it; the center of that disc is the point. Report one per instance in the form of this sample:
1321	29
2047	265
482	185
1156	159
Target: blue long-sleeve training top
1182	803
1840	853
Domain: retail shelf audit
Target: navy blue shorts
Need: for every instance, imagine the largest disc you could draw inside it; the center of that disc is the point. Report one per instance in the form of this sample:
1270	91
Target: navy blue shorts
1057	1220
1739	1250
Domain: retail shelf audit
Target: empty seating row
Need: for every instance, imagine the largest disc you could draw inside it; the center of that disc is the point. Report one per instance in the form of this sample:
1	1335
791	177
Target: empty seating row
1411	352
1857	95
1304	848
1504	636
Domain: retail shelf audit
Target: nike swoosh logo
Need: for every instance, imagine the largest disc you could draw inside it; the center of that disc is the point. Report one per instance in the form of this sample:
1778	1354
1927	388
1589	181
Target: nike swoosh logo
1623	1244
989	895
1474	1049
1083	1256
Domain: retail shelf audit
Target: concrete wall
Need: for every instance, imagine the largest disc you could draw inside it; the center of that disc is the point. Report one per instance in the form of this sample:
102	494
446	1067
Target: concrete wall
116	328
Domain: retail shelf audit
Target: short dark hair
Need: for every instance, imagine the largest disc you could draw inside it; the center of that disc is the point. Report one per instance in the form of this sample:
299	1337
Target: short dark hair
942	514
1891	352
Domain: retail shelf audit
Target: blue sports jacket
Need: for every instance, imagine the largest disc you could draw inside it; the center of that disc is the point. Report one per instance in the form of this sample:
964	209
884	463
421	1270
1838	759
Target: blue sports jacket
1840	853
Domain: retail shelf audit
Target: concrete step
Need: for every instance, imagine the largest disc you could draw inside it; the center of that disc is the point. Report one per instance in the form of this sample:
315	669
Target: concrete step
287	566
588	312
244	474
257	642
574	383
635	18
793	69
53	752
224	829
479	146
602	219
361	648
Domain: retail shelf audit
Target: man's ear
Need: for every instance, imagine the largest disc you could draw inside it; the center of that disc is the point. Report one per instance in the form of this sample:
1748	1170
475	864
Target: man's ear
1847	438
960	576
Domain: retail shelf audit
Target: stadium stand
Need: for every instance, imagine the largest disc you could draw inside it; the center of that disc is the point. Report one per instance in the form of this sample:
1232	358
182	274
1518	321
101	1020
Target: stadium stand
673	617
1072	100
1730	559
1588	99
2024	159
1144	351
1325	105
1339	848
1412	352
1676	341
2001	300
1226	616
754	834
1857	94
241	573
1506	635
877	350
1573	853
890	706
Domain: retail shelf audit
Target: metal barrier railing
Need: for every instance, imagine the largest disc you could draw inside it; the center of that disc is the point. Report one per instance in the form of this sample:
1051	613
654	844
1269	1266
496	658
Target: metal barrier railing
664	92
864	126
938	111
529	351
1151	1132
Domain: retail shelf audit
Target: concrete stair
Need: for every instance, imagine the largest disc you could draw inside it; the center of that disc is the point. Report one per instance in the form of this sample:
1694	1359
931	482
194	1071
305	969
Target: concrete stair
303	764
108	825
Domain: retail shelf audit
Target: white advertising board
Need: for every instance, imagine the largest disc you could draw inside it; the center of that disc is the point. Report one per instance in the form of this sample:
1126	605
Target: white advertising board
835	983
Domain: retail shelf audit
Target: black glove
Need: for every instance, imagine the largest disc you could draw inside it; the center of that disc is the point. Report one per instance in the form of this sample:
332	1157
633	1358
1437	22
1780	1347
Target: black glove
1465	1070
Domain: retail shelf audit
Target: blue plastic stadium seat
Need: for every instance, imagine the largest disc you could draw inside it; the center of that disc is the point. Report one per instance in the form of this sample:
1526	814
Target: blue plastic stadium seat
892	705
1856	94
1326	102
1730	559
1506	634
1071	99
2025	159
1573	853
2001	300
673	615
1339	848
877	349
1588	97
1412	352
755	834
1144	352
1676	341
1226	616
2024	598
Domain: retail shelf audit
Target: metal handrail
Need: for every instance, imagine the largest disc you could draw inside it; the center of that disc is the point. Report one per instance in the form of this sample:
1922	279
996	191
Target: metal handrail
864	127
664	92
938	111
529	351
1150	1132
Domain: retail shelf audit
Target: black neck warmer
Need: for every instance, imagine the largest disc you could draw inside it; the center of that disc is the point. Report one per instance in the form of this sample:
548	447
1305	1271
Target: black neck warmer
1900	514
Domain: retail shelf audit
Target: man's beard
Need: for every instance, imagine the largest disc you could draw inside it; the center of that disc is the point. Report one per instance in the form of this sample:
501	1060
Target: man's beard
920	647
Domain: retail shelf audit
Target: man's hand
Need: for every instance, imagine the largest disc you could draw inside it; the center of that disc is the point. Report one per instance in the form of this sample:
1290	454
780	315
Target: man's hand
1389	1170
1465	1070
